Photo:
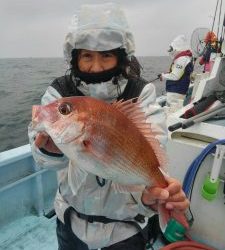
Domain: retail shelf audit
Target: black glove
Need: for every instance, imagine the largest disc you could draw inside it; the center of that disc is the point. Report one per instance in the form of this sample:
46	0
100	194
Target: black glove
159	75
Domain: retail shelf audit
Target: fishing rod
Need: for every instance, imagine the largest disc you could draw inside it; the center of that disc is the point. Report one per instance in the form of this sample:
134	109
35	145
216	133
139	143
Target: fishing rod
203	118
214	18
197	118
158	77
153	80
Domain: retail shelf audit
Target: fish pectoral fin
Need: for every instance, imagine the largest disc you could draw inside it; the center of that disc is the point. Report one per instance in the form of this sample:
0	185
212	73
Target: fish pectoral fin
98	151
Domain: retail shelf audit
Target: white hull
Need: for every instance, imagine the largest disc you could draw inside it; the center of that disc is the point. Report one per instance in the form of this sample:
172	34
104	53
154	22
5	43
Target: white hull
185	145
209	223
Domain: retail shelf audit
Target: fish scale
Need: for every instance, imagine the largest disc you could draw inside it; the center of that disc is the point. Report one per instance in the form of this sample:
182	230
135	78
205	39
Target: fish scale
122	162
124	144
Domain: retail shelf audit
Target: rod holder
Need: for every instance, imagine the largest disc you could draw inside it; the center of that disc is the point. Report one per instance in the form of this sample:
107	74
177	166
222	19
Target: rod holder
211	183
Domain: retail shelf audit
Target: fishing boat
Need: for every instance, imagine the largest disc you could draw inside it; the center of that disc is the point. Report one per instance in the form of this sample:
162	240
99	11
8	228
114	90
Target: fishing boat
196	152
27	192
196	158
26	202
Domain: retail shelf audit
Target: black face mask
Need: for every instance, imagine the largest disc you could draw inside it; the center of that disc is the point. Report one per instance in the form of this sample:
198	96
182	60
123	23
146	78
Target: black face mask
103	76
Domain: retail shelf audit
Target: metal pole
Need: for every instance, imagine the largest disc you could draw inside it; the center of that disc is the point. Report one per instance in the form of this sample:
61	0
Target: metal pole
191	121
202	118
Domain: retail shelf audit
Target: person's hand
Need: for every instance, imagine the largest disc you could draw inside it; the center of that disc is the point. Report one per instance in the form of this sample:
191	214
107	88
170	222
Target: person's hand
177	199
44	141
173	196
160	77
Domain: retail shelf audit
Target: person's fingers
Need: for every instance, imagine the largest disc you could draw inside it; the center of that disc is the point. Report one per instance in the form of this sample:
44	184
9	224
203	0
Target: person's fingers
170	179
173	196
180	206
41	139
158	193
153	194
180	196
177	199
174	186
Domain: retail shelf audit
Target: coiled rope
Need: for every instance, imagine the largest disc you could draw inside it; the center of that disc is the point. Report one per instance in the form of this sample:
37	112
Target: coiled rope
187	245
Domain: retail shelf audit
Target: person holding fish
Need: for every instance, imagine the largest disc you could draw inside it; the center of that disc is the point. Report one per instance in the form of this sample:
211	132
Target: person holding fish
94	125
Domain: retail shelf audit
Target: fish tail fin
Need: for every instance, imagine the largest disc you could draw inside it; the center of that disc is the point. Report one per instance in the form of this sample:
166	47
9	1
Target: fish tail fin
164	216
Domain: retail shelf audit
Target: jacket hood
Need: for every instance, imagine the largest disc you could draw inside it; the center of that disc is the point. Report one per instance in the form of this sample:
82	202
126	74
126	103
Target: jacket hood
180	43
99	27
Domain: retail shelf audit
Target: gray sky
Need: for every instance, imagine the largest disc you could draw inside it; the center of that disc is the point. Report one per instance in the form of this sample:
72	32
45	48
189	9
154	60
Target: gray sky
31	28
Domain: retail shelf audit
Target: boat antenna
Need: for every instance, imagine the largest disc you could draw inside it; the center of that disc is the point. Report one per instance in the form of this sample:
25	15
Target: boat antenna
222	32
219	19
215	15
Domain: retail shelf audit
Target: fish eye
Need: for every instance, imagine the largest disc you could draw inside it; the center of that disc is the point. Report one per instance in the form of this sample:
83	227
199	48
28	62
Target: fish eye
65	108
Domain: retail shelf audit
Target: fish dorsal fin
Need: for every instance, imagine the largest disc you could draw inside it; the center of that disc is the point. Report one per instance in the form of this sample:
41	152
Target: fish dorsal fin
133	111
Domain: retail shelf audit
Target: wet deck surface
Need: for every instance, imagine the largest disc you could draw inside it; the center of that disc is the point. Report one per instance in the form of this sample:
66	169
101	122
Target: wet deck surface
33	233
30	233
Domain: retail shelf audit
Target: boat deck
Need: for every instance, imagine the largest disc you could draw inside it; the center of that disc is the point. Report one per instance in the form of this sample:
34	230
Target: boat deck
28	233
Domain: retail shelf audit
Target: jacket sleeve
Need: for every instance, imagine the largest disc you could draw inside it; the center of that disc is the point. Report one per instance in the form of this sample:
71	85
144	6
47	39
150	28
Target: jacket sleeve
178	68
43	158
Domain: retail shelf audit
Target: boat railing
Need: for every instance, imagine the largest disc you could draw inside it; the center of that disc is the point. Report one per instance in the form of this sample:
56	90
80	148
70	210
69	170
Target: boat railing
25	188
